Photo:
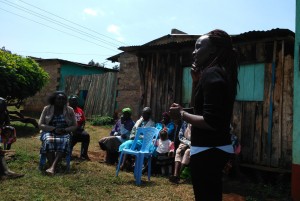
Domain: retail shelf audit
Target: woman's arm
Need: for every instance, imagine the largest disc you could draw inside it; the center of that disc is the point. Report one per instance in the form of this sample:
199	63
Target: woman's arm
42	121
177	112
73	124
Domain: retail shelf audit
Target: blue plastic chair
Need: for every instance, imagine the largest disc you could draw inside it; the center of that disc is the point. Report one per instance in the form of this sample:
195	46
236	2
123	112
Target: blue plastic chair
43	159
149	134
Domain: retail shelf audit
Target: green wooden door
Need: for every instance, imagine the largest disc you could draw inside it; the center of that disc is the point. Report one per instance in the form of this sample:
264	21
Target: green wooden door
251	82
186	87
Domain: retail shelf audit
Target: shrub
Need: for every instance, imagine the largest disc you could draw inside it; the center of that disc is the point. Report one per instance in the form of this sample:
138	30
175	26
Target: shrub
102	120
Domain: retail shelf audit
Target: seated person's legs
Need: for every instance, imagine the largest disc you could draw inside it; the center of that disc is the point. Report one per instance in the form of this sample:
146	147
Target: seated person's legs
4	171
84	138
184	170
54	147
178	160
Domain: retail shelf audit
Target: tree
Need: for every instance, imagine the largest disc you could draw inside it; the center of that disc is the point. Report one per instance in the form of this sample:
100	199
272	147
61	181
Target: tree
116	67
92	63
20	77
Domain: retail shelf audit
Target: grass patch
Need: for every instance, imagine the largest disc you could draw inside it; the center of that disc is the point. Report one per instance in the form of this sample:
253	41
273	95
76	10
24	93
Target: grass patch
90	180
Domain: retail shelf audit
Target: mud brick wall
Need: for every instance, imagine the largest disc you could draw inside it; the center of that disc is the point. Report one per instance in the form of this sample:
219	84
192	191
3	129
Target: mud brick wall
128	86
36	103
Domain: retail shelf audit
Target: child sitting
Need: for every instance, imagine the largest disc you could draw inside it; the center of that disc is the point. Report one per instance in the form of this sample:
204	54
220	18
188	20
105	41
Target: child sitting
164	152
8	136
7	132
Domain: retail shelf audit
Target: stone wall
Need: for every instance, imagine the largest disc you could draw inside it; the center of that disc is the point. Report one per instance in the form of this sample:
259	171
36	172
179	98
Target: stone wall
128	87
36	103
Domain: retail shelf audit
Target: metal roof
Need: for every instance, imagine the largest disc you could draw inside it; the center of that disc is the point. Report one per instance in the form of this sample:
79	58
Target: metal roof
76	63
181	40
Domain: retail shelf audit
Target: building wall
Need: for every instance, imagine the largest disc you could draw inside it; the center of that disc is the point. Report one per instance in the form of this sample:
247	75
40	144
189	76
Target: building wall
36	103
100	92
128	86
70	69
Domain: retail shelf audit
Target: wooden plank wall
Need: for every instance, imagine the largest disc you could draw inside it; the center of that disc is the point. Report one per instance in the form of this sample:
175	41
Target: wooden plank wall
251	119
161	75
101	88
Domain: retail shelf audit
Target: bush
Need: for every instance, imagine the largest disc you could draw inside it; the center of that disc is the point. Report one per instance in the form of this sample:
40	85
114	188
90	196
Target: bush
102	120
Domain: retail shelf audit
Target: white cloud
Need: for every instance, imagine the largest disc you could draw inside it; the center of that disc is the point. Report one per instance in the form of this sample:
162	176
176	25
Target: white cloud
121	39
114	29
90	11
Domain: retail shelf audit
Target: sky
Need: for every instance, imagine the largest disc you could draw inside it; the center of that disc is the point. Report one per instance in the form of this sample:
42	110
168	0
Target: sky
85	30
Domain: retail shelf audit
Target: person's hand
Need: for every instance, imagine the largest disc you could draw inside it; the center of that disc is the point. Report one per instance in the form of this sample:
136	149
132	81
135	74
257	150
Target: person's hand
195	73
175	110
171	154
60	131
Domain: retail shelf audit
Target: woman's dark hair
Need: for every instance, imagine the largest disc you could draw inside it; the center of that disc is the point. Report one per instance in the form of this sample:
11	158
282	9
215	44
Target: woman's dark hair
3	105
51	98
147	110
225	56
163	134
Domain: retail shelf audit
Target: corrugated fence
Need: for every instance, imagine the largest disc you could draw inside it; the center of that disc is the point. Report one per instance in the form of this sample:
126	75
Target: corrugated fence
101	90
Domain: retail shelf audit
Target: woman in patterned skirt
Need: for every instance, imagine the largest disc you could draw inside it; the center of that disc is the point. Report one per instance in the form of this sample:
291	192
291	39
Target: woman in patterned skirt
57	121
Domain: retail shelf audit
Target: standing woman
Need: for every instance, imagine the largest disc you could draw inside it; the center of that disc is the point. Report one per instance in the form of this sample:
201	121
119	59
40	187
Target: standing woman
57	121
214	73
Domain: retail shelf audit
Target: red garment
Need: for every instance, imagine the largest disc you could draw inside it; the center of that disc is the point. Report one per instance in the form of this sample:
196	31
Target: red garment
79	114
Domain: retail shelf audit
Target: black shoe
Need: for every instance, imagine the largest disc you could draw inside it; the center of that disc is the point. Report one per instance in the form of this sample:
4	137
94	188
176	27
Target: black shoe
86	158
174	179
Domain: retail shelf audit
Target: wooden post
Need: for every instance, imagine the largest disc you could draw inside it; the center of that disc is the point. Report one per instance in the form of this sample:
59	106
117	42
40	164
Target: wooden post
296	113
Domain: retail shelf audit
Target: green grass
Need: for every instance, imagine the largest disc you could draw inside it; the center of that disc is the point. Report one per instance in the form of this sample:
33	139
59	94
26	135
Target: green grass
86	181
92	180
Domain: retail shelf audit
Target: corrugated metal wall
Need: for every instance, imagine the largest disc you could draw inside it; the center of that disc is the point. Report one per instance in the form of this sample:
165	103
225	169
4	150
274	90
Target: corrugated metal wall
101	95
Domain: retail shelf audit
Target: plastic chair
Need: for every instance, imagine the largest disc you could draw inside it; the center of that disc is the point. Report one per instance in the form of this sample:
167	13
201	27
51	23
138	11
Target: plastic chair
149	134
43	158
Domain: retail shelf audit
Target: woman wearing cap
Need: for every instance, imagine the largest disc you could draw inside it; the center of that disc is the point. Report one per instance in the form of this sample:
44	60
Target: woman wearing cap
144	121
119	134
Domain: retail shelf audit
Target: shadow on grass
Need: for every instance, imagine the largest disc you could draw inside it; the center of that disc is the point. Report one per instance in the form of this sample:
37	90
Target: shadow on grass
25	130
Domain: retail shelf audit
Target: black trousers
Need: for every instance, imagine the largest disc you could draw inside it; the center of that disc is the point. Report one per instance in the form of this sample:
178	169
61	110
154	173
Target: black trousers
206	171
84	138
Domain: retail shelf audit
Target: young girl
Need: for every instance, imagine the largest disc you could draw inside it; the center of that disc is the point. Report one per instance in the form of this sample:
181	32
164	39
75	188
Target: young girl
164	152
7	132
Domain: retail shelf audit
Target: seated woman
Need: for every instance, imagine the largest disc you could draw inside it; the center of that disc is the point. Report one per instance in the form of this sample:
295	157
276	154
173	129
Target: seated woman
168	125
144	121
57	121
119	134
80	135
7	132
